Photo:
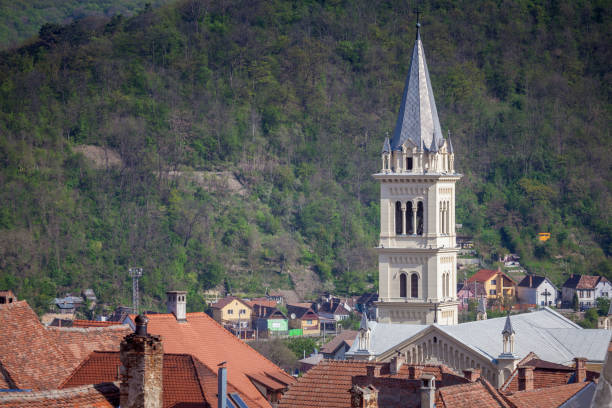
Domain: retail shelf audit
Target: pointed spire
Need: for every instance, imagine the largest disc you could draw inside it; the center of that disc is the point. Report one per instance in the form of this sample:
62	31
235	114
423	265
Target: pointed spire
386	146
508	326
450	144
418	116
434	146
364	322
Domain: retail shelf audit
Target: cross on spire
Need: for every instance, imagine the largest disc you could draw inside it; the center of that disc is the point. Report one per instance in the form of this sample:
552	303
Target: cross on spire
418	13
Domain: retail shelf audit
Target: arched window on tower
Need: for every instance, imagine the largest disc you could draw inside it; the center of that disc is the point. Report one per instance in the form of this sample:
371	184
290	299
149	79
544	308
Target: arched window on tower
398	217
419	215
409	218
414	285
403	285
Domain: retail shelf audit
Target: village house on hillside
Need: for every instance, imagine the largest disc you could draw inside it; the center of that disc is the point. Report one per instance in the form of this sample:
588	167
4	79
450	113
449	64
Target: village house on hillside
495	282
537	290
232	311
588	288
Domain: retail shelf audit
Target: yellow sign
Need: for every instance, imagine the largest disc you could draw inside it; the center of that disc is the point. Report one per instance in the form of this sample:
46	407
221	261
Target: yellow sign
544	236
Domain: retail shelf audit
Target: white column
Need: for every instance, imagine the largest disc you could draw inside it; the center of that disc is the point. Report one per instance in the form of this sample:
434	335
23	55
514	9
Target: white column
403	219
414	217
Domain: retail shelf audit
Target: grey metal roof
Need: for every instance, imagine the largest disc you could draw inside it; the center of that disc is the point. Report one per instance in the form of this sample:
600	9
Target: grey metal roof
450	144
545	332
384	336
418	116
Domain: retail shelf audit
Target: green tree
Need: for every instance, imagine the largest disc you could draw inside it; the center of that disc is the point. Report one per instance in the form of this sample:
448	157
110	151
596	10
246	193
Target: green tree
576	302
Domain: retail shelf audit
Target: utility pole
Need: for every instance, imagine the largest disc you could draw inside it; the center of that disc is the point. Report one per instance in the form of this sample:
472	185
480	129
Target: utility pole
135	273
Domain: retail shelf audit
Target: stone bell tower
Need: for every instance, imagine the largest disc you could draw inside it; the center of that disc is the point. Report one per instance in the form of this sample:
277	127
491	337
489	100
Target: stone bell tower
417	255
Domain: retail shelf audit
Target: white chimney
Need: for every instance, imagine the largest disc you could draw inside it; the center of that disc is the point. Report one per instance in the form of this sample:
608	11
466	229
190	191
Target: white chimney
176	302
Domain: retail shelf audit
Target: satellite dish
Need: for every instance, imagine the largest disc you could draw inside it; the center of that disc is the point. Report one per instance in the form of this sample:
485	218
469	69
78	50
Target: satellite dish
292	316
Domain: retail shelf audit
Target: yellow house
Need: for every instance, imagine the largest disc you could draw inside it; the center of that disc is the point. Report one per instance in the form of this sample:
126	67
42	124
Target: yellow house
232	310
496	283
302	316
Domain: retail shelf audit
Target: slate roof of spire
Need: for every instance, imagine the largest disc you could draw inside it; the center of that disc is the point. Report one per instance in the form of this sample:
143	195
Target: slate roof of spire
418	117
508	326
450	144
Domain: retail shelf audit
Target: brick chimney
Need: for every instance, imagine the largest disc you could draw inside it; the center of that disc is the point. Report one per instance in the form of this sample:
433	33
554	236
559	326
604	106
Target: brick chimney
414	372
142	362
525	378
428	390
396	364
471	374
373	370
364	397
580	369
176	304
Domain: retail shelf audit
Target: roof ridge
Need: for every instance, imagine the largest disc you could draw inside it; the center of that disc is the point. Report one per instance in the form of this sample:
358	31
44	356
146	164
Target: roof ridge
227	333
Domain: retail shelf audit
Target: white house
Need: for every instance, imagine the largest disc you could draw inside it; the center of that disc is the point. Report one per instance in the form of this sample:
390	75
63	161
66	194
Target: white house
537	290
588	288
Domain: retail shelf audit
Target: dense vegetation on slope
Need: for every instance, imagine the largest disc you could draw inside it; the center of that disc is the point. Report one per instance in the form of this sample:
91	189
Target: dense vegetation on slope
294	99
21	19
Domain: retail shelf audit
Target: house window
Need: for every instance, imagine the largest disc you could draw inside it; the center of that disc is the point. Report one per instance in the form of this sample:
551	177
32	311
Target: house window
308	321
492	292
408	163
242	311
604	294
494	282
230	311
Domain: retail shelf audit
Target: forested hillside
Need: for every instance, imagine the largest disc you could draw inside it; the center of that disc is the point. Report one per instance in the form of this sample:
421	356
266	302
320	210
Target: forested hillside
232	142
21	19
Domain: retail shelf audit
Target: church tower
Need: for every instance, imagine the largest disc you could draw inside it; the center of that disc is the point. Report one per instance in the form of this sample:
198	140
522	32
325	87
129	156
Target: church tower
417	255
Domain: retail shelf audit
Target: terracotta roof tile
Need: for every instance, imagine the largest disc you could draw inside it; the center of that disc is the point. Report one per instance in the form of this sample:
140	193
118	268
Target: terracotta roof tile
475	394
546	397
92	323
186	380
346	336
482	275
92	396
35	357
583	281
210	343
328	384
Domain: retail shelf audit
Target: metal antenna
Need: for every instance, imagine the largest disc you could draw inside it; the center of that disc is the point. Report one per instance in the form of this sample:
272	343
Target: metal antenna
135	273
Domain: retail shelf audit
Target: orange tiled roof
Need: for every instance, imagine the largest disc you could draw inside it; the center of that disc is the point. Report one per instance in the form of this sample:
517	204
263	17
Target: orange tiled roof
483	275
479	393
263	302
39	358
90	396
347	336
546	397
186	380
328	383
92	323
210	343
